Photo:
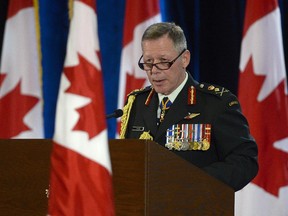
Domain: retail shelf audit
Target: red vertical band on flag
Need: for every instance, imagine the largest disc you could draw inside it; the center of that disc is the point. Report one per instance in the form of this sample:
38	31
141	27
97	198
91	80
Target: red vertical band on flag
16	5
257	9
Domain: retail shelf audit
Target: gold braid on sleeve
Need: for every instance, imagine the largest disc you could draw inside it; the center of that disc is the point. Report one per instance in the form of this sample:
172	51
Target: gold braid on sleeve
126	115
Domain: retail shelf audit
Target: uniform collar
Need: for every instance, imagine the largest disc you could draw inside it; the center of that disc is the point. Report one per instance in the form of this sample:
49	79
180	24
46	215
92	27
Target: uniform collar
175	93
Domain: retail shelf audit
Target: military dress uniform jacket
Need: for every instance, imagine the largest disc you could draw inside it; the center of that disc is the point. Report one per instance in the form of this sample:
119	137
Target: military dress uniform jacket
231	154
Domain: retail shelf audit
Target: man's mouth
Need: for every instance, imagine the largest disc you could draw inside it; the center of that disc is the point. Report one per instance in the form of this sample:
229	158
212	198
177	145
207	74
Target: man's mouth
158	82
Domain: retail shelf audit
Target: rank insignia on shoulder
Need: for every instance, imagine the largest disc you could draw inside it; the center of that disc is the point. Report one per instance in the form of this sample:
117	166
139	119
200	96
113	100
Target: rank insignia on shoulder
211	87
221	91
233	103
217	90
184	137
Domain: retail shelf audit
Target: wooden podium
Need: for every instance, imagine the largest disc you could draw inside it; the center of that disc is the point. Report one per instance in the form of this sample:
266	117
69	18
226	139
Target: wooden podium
150	180
147	179
24	176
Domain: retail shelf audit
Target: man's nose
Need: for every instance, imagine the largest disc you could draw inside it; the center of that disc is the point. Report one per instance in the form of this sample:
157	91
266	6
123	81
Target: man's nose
154	69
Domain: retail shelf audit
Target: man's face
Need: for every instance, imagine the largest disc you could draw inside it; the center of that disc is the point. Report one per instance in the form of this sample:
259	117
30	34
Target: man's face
163	50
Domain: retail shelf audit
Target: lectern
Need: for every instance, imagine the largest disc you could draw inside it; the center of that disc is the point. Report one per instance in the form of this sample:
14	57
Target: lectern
24	176
148	180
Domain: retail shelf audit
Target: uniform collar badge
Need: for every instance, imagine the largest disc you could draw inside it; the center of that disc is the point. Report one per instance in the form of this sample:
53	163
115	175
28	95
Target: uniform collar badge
148	99
191	95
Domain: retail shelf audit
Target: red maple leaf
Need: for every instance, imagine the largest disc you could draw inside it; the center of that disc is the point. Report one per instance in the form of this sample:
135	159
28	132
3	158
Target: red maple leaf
133	83
13	107
86	80
268	121
2	77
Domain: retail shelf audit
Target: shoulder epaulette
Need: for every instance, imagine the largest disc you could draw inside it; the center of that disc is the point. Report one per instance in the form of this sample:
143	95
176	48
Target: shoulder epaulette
213	89
140	91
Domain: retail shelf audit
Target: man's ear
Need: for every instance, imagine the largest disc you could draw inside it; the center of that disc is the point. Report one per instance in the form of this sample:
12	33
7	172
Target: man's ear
186	58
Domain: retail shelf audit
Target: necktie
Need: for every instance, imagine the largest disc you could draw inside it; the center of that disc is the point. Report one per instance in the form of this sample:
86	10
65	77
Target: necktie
164	106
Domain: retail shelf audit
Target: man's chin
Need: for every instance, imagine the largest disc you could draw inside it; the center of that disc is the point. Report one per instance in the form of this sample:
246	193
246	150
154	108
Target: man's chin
159	90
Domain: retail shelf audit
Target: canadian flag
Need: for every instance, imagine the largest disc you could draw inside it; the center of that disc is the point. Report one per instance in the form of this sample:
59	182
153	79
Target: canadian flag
81	182
263	95
138	16
21	105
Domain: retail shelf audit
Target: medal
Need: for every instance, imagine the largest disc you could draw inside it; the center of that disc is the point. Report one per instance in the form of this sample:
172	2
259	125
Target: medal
184	137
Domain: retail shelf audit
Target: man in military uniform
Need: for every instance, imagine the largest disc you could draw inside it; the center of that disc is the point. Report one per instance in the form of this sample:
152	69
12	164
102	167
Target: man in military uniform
201	123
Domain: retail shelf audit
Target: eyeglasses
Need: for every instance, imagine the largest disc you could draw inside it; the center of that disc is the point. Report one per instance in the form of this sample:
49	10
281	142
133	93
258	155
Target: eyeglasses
159	65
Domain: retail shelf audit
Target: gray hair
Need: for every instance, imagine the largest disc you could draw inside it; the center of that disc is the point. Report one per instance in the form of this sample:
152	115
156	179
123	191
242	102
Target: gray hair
173	31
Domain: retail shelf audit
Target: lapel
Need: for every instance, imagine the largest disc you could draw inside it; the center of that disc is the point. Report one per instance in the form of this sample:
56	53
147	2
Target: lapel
178	110
150	114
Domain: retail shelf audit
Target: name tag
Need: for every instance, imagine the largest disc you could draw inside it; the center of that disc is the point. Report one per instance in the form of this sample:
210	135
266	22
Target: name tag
137	128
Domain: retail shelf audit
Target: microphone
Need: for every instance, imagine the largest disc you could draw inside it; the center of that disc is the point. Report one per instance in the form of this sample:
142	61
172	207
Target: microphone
116	114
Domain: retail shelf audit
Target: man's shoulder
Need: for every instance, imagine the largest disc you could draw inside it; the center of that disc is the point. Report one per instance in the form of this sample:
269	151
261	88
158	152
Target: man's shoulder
140	91
218	93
